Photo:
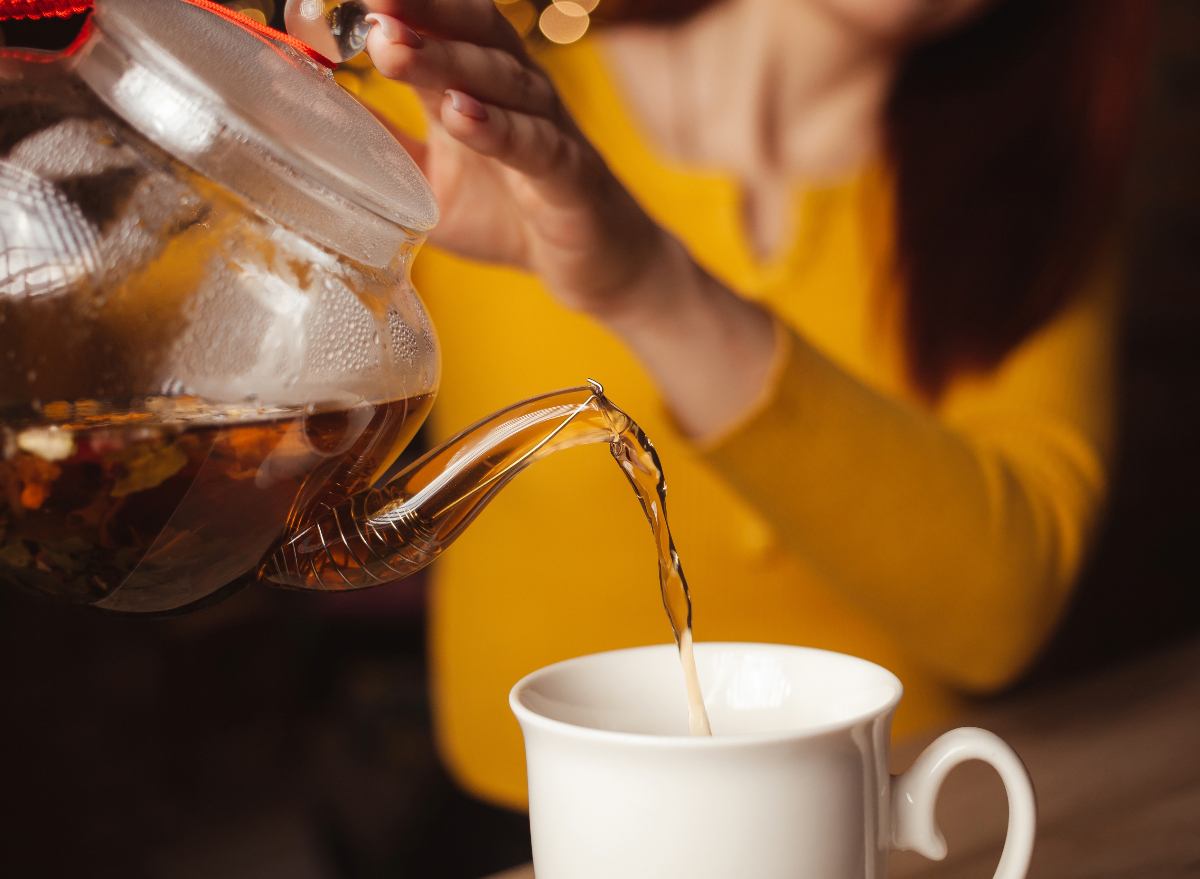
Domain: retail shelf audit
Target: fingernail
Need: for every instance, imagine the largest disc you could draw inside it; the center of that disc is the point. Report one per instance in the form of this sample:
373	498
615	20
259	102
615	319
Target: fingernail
467	106
396	31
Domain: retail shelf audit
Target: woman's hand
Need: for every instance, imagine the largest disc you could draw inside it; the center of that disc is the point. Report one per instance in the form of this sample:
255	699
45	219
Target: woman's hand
518	183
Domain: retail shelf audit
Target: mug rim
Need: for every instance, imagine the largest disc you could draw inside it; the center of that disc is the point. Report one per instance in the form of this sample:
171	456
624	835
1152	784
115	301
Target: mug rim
525	714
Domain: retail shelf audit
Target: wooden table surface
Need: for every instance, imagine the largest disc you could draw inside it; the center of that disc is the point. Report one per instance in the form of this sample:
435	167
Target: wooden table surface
1115	760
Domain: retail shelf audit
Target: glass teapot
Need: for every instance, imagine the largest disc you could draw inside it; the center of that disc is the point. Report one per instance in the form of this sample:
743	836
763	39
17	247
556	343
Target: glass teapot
211	354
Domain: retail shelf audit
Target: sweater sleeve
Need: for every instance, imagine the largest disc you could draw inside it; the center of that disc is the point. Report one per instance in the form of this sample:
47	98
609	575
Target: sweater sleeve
961	527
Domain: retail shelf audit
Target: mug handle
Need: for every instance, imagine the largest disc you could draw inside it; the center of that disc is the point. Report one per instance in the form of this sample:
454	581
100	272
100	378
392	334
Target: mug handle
914	795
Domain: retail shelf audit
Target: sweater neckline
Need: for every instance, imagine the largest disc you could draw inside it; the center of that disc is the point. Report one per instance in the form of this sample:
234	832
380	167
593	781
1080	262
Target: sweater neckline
586	80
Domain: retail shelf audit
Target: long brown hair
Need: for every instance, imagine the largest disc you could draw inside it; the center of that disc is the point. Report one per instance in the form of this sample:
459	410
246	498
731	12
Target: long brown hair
1008	139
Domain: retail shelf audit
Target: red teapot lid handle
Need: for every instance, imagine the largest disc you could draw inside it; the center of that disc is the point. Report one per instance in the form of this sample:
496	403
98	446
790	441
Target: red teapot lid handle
34	9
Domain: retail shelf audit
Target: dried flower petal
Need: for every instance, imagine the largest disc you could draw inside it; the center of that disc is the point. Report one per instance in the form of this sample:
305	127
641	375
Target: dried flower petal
145	465
37	477
48	443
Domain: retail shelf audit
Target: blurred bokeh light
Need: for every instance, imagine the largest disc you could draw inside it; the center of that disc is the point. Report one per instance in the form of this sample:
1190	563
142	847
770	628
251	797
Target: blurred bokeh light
559	21
262	11
563	21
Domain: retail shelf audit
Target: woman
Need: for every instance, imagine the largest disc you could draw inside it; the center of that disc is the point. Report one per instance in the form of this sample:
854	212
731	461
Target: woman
841	258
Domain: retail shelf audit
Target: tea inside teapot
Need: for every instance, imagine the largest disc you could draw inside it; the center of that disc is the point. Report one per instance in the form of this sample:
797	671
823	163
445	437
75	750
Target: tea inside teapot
153	514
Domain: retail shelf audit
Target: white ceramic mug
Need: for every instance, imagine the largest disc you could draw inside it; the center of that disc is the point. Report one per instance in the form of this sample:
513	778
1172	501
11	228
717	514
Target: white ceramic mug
794	784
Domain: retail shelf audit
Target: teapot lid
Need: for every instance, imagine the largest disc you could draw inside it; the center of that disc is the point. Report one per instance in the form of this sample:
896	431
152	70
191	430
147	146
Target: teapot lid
260	118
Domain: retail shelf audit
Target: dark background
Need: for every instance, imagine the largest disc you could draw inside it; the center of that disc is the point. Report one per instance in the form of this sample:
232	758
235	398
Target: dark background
1142	588
283	734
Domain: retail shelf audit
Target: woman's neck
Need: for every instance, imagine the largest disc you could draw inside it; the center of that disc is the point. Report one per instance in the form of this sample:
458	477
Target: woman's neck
769	91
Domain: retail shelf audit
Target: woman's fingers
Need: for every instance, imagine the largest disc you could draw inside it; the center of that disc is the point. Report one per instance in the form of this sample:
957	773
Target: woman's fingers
532	145
468	21
492	75
488	96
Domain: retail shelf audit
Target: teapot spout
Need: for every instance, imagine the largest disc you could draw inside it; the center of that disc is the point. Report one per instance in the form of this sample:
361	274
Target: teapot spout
384	534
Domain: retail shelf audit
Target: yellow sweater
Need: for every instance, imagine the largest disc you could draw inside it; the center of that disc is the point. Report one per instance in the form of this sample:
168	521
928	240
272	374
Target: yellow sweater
844	513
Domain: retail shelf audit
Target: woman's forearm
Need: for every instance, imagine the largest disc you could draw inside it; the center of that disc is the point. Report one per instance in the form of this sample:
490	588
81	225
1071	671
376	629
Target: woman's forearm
708	351
959	528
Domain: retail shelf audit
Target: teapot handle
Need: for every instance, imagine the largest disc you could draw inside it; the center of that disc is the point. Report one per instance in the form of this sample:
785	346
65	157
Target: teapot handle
914	796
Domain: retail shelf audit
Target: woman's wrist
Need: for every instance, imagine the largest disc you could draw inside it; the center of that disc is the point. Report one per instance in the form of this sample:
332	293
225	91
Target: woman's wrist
708	351
668	286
